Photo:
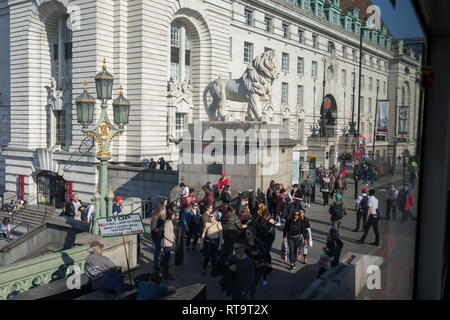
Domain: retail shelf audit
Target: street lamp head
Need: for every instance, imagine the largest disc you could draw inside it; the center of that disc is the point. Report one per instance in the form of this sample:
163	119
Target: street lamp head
121	110
85	108
104	84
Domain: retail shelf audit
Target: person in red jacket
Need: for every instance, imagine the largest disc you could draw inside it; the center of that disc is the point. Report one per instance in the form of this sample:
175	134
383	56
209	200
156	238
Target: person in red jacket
223	182
343	172
405	202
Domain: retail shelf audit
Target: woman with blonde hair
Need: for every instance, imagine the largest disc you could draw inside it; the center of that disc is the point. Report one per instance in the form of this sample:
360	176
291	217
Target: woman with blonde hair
211	240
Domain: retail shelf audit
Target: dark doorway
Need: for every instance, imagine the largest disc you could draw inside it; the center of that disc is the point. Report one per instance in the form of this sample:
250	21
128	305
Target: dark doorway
51	189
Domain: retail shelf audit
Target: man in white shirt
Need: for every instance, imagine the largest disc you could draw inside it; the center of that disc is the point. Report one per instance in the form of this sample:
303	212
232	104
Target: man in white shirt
184	190
372	219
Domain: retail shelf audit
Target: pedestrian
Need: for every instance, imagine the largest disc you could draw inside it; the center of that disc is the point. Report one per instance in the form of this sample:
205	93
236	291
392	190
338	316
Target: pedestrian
255	251
279	205
391	201
5	229
269	195
191	198
297	195
97	266
168	243
343	172
211	243
209	196
405	202
307	185
231	230
308	243
223	182
184	190
150	290
244	210
117	207
361	207
192	222
156	231
372	219
292	232
341	184
332	251
288	202
325	188
226	195
313	190
73	207
337	211
242	271
365	175
412	177
332	184
301	169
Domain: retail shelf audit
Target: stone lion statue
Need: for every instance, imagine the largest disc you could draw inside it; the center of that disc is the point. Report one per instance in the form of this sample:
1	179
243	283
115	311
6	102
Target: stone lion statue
254	87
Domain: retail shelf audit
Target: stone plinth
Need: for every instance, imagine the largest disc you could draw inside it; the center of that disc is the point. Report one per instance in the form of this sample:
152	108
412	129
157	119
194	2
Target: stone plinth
251	154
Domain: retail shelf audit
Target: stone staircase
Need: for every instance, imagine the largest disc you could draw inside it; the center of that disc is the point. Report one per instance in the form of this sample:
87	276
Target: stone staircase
31	214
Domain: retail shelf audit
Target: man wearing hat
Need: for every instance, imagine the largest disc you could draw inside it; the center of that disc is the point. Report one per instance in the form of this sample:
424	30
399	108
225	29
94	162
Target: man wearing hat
97	265
117	210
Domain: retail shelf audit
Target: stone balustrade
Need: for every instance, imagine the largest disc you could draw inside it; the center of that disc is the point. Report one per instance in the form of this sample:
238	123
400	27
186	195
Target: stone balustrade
21	276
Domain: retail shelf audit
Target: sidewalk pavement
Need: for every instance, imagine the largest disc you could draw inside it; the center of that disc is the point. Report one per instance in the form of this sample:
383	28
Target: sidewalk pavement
286	285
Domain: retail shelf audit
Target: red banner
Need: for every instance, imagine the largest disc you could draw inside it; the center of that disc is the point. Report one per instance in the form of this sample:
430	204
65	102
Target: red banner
68	190
357	155
21	187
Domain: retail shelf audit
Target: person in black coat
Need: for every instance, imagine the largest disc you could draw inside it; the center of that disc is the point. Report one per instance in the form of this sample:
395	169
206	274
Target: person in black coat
333	250
293	231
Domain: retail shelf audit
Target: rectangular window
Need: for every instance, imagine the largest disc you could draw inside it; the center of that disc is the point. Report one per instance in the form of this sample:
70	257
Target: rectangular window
248	17
378	84
369	106
174	71
285	62
344	78
285	29
267	49
179	124
300	95
344	52
330	47
370	83
314	69
300	65
268	22
174	37
314	41
300	36
284	93
60	127
353	79
363	82
362	104
301	126
384	87
355	58
248	52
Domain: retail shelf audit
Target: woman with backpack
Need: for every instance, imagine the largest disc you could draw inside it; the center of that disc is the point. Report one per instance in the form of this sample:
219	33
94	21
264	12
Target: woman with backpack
211	241
337	211
307	186
156	226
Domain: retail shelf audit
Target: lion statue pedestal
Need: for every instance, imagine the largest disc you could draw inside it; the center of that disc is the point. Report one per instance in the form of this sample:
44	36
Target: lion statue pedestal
251	154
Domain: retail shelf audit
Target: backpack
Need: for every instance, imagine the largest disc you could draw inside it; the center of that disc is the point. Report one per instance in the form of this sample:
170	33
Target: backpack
364	204
337	211
157	229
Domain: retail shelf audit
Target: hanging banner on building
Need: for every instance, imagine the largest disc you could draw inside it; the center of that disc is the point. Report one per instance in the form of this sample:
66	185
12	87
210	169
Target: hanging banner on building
127	225
383	107
68	191
403	120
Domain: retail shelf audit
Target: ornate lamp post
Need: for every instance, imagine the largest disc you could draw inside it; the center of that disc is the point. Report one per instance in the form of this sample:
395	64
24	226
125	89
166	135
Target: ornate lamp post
103	132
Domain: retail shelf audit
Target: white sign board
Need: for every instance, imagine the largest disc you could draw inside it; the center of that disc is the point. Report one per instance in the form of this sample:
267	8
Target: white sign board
128	224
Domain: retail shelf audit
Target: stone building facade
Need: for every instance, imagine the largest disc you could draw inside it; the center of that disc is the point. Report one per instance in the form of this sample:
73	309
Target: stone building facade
164	53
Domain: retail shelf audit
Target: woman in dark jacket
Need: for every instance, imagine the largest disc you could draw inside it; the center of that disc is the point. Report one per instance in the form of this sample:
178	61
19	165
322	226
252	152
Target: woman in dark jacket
255	250
292	234
333	250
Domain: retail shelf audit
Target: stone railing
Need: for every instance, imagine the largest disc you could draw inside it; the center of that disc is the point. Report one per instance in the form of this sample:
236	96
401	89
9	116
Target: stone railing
21	276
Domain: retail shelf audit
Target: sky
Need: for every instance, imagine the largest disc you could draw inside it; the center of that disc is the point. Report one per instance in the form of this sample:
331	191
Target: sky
401	21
